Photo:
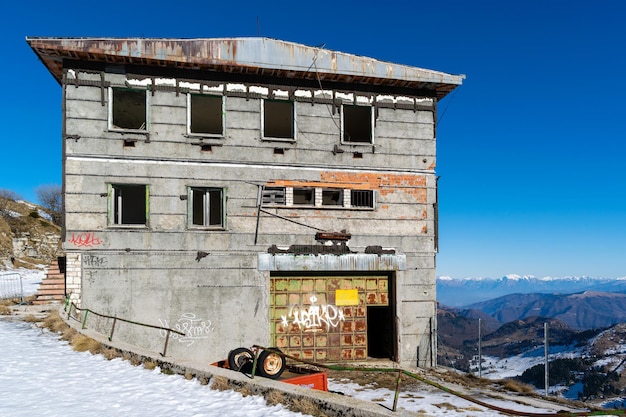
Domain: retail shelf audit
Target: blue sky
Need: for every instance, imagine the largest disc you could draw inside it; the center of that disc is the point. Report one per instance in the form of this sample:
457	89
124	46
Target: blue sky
530	148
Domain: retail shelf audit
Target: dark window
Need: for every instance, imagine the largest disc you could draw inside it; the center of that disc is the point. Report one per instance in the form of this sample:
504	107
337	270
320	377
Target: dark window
357	124
332	197
362	198
205	114
129	110
129	204
274	195
304	196
278	119
207	207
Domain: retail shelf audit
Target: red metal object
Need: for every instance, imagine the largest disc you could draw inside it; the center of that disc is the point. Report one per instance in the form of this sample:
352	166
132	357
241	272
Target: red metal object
313	380
295	375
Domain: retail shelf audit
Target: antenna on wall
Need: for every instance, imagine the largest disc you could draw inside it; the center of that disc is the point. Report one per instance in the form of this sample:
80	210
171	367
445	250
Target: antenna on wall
258	26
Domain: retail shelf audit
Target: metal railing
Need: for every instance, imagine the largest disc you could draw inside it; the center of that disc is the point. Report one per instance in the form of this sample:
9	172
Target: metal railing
11	286
400	372
71	307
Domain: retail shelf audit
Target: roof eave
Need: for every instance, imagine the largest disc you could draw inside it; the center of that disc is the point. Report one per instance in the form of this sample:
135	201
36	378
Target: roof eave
247	55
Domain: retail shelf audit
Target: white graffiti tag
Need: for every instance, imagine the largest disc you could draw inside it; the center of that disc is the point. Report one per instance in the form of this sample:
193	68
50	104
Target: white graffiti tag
194	329
314	317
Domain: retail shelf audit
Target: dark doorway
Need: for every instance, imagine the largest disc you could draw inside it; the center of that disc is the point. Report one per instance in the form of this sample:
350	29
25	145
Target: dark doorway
380	334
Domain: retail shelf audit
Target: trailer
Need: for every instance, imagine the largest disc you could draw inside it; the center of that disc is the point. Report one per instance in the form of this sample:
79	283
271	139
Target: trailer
272	363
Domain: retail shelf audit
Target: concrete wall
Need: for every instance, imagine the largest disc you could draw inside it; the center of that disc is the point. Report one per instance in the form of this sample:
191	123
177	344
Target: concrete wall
154	275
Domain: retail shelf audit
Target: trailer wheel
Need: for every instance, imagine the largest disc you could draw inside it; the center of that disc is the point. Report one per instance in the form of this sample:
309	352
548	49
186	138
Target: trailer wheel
271	364
240	360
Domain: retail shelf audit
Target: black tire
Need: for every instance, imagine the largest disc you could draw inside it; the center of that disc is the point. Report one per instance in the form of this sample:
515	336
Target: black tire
271	364
241	360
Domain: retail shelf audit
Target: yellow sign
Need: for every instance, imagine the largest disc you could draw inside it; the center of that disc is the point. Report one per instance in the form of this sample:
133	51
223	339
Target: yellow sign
347	297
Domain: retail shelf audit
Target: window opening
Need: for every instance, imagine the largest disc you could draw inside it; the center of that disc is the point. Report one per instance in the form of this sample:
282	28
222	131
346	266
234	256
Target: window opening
362	198
207	207
278	119
332	197
129	109
274	195
129	204
357	124
304	196
206	114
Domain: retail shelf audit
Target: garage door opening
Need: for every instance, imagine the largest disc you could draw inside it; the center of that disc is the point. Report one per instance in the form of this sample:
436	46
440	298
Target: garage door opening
333	317
380	334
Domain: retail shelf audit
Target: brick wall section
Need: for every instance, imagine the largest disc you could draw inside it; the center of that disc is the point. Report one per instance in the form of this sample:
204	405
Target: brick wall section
73	276
411	184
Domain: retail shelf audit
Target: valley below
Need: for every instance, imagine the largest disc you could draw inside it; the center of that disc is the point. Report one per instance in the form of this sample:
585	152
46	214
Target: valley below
586	340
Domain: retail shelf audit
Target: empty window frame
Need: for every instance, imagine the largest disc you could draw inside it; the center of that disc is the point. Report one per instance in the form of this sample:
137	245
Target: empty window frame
362	198
128	204
205	115
278	120
274	196
128	109
304	196
332	197
357	124
207	207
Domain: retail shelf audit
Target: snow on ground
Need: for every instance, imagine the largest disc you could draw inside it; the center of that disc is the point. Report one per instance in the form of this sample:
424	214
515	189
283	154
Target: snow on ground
431	403
42	376
10	285
501	368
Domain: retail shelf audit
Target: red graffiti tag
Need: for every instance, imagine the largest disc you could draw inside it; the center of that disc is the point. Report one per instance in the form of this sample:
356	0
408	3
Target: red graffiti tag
85	239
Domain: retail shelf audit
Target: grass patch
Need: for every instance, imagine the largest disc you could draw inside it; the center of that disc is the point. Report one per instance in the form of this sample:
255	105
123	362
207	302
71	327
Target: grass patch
517	386
5	311
149	365
306	406
446	406
68	334
31	319
275	397
55	323
82	343
220	383
110	353
245	391
134	360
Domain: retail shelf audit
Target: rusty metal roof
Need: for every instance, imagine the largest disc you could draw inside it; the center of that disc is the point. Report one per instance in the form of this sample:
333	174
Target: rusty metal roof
254	56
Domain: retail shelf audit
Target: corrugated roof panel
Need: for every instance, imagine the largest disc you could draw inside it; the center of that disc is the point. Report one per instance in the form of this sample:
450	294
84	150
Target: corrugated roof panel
245	55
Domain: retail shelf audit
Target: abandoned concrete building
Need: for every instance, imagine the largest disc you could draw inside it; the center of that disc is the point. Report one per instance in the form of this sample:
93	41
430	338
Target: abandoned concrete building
250	191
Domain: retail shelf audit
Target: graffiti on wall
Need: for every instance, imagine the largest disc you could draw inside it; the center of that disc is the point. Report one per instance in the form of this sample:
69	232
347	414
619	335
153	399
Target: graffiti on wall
95	260
86	239
194	328
312	319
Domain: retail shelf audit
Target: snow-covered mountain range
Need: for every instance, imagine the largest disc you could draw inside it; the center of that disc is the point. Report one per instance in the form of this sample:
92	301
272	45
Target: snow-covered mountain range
457	292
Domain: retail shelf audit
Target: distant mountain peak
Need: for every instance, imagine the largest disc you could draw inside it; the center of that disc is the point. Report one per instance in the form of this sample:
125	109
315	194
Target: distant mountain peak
459	292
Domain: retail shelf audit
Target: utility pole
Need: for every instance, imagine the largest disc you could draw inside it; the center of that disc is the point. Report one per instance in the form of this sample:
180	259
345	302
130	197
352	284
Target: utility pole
546	352
480	353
